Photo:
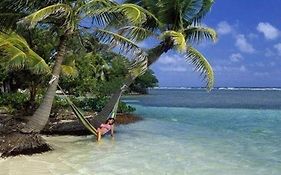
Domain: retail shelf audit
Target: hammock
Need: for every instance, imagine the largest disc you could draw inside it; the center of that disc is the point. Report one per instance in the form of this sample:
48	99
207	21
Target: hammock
137	68
101	117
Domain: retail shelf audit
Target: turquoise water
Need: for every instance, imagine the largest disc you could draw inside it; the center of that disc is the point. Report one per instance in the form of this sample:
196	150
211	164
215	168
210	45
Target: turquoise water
222	132
183	132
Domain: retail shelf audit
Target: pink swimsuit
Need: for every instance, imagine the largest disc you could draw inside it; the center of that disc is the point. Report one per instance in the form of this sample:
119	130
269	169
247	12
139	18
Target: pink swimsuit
105	127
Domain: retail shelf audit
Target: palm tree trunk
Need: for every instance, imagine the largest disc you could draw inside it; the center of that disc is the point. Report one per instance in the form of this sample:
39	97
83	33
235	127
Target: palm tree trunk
41	116
155	53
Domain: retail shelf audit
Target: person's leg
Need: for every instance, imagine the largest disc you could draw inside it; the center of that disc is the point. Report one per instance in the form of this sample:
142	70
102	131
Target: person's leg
99	134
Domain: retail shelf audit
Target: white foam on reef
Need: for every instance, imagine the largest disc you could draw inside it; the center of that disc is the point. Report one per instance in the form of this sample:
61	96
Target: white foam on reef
249	89
223	88
163	87
130	101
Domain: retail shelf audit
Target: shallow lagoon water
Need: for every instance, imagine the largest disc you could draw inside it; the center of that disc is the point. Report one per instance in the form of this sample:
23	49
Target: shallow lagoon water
173	139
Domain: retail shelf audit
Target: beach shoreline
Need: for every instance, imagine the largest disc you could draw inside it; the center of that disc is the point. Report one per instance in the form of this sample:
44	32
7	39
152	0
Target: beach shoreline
71	126
32	143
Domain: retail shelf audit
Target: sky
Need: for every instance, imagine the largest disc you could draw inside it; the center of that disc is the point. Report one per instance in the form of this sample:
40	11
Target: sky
247	53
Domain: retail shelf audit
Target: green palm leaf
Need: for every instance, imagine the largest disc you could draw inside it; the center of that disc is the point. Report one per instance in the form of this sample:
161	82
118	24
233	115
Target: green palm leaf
135	33
190	8
138	67
135	14
9	20
98	10
178	39
37	64
198	33
93	5
126	46
207	4
69	67
68	70
16	54
173	13
57	10
27	5
201	65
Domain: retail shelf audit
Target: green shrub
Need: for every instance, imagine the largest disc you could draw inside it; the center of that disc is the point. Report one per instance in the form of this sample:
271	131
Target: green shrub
60	102
89	104
124	108
14	100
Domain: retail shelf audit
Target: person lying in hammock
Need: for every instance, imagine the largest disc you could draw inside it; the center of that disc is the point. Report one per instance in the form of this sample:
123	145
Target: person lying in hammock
105	128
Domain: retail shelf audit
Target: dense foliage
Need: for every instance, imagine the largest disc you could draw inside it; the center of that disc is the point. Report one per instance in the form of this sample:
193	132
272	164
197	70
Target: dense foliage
89	70
97	75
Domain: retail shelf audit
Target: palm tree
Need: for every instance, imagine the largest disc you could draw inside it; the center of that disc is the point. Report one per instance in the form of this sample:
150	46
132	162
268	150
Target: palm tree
16	54
179	28
66	17
17	57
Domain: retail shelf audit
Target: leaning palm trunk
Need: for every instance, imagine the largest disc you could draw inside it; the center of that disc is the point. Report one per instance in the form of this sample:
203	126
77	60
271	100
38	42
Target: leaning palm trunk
41	116
152	56
155	53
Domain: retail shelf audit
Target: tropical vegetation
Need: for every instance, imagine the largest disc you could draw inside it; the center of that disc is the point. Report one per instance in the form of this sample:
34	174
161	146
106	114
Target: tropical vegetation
73	43
65	19
179	28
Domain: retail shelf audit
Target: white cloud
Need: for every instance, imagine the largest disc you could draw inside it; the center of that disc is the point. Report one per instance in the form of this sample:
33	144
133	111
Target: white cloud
242	68
224	28
232	69
278	48
143	44
269	52
252	36
269	31
263	64
259	64
243	45
236	57
261	74
174	69
168	59
173	63
272	64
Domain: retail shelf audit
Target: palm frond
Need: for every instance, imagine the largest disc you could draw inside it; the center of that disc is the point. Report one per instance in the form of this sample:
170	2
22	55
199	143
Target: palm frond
201	65
125	45
68	70
93	5
124	13
27	5
37	64
150	5
9	20
16	54
198	33
207	5
190	8
138	67
178	39
169	13
174	13
57	10
135	33
135	14
69	67
99	11
12	48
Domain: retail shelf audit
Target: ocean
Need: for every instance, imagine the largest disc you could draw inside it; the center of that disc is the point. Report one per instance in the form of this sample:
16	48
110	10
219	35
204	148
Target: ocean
184	131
